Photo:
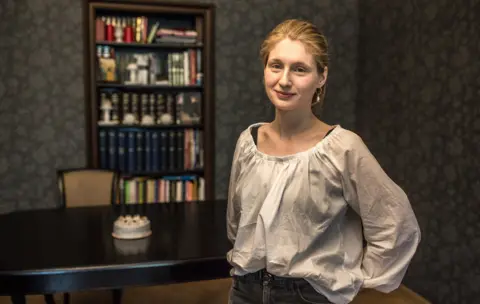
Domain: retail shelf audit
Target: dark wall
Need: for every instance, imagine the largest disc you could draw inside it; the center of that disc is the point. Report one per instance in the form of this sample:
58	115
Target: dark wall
419	111
42	97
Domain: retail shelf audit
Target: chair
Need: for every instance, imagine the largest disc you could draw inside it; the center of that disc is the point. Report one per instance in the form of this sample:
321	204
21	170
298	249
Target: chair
88	187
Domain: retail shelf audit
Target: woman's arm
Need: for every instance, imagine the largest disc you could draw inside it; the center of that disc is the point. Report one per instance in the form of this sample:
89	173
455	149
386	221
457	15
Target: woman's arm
390	228
233	214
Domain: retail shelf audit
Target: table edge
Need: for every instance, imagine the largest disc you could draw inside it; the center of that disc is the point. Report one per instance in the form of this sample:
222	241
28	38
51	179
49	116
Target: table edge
126	266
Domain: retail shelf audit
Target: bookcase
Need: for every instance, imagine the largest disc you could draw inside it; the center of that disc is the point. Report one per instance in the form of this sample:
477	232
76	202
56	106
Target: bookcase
149	92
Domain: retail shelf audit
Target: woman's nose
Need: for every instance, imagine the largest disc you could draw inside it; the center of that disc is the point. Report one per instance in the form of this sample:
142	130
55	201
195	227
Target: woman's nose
285	79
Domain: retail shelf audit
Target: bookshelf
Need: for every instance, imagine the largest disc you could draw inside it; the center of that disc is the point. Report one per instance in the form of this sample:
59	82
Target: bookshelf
149	93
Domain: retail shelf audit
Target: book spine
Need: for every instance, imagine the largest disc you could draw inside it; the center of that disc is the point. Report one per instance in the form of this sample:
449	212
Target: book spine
121	151
103	147
139	150
171	150
163	150
148	149
180	147
112	153
131	151
155	151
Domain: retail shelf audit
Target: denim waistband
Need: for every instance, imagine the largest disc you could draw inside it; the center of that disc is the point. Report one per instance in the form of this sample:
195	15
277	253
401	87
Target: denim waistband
262	276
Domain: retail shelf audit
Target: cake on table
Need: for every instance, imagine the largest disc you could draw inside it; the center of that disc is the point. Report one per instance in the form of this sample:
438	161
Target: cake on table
131	227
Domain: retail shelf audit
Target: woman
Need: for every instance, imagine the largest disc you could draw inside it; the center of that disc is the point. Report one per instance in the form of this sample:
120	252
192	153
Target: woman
305	195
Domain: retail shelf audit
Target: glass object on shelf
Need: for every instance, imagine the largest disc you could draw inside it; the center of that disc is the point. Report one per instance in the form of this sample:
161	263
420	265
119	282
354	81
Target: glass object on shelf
189	108
165	114
138	70
108	109
107	64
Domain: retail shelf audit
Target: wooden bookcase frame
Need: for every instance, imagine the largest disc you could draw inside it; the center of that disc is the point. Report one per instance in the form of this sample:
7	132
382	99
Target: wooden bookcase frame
207	13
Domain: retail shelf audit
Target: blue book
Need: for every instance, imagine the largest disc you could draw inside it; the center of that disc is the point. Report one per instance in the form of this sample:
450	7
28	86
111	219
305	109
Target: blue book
122	159
148	149
112	150
131	151
103	147
155	151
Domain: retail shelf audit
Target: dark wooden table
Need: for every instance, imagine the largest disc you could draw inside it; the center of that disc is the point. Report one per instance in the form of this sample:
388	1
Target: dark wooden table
52	251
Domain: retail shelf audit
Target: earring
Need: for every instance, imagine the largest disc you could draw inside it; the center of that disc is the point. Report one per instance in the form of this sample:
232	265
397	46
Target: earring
317	98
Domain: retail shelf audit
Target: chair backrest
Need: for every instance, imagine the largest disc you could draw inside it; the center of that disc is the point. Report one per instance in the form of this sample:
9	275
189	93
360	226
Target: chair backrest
87	187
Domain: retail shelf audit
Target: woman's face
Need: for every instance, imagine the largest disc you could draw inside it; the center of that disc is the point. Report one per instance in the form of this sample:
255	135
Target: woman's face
291	76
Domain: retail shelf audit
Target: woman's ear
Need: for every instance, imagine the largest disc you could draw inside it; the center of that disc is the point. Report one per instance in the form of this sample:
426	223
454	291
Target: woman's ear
323	78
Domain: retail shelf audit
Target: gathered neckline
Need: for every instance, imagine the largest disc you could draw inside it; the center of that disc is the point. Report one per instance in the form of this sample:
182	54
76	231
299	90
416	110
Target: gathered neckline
308	151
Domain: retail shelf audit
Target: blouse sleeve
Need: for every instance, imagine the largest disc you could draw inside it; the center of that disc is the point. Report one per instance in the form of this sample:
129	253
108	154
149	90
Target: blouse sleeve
390	228
233	214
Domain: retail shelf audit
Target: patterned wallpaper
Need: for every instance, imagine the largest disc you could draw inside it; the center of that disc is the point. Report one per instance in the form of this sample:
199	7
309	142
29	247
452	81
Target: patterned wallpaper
41	87
41	99
419	112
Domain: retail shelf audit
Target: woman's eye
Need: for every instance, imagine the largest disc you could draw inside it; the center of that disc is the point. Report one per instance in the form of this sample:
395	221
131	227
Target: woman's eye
275	66
300	70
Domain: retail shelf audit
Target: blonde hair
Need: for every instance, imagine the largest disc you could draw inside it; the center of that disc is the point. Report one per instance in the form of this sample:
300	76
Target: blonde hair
313	40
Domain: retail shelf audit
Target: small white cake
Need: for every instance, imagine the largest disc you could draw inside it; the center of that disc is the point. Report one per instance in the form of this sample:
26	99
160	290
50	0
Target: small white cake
131	227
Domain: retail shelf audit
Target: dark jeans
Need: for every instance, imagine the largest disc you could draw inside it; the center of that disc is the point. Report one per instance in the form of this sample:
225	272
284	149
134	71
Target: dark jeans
264	288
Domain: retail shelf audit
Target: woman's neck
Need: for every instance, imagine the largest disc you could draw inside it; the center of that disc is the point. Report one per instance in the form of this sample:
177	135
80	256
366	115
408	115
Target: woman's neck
291	123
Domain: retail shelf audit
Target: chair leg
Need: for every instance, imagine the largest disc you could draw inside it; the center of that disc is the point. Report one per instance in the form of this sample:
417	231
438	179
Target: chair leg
117	295
18	299
49	299
66	298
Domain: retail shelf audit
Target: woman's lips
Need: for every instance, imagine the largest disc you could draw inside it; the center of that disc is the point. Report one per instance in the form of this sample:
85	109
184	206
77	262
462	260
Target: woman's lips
284	95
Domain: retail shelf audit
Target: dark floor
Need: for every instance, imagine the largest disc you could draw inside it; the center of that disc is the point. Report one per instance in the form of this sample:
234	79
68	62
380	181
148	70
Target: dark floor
207	292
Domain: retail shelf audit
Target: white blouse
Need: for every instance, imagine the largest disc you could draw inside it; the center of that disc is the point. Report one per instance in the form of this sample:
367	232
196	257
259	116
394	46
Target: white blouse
303	215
